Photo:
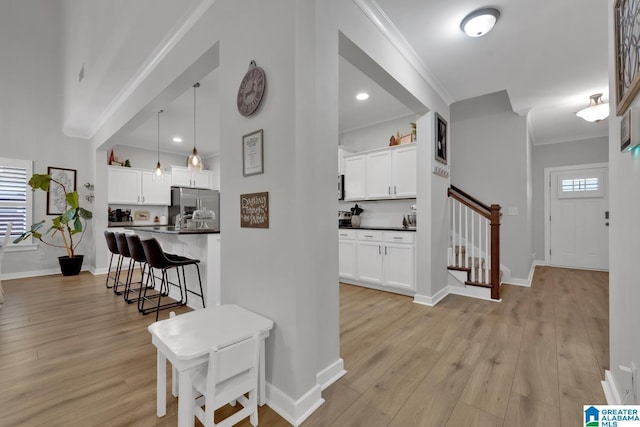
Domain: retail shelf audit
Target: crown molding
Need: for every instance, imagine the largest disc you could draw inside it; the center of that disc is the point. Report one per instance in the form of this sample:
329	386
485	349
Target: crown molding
380	19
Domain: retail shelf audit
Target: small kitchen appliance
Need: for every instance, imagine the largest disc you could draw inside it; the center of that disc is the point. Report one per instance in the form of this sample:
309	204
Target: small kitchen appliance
344	218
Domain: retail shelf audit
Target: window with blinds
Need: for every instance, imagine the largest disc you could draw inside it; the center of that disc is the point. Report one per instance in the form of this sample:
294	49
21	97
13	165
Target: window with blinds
15	196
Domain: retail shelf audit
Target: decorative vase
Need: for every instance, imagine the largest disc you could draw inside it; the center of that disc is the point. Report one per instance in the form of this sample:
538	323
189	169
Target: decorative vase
355	220
70	266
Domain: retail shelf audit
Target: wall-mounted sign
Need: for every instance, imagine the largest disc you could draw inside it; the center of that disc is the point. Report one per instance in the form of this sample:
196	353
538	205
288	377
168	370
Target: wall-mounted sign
254	210
252	154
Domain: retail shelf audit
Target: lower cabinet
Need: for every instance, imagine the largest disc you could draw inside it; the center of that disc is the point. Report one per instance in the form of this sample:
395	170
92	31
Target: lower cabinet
380	259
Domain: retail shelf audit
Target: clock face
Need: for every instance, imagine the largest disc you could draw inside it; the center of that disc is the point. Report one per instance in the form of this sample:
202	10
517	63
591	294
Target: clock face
251	91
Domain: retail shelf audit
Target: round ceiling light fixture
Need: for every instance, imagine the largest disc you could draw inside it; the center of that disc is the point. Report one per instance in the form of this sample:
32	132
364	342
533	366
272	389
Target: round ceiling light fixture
177	139
362	96
480	22
596	111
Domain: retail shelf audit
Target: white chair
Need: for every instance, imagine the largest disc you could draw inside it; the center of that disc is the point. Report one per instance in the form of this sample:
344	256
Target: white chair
3	246
232	371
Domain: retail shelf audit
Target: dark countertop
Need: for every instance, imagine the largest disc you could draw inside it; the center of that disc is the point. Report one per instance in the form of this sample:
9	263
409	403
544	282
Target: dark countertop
170	229
366	227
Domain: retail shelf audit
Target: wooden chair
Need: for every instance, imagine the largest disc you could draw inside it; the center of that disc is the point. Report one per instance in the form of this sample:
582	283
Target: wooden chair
232	371
3	246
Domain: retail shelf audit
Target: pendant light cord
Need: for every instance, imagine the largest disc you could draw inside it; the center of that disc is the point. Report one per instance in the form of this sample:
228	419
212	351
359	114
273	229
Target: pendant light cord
195	86
161	111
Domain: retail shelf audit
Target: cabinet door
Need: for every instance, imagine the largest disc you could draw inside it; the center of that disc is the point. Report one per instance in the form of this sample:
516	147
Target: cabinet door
347	258
180	177
369	262
378	175
201	179
405	179
354	186
156	190
123	186
399	265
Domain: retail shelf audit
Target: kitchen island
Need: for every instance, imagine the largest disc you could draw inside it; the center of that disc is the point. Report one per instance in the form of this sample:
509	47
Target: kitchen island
202	244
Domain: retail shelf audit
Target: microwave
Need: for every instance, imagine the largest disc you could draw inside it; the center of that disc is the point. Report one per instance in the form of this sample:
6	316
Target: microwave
340	187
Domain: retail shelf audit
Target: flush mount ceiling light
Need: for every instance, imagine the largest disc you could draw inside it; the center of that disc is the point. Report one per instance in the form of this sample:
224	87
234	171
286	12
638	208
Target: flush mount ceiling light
480	22
596	111
177	139
158	167
195	161
362	96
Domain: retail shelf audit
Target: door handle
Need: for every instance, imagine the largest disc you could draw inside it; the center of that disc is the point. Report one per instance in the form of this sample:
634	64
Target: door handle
385	250
379	250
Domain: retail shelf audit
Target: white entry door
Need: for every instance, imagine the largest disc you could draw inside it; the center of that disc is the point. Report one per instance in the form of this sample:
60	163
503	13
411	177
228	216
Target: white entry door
579	221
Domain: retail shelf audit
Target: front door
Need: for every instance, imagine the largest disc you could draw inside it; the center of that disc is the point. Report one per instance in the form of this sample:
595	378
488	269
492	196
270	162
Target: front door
579	221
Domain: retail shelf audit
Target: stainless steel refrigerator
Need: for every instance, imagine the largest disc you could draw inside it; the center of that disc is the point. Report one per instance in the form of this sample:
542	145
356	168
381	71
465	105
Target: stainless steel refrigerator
184	201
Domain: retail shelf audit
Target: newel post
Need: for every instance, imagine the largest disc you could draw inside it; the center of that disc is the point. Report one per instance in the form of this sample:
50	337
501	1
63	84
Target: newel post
495	251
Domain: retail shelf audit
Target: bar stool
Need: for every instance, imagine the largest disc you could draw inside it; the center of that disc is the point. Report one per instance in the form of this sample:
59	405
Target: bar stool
120	287
113	248
159	260
124	247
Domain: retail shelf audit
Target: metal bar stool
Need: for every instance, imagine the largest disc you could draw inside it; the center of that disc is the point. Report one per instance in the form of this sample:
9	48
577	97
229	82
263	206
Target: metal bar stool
159	260
113	248
125	249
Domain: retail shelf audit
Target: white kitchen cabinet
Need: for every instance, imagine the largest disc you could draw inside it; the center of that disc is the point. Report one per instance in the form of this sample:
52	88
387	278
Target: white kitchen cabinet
347	251
128	186
182	177
399	260
383	259
354	177
389	173
404	167
342	151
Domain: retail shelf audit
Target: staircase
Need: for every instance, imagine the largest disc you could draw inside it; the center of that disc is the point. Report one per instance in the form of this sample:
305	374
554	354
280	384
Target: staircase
474	252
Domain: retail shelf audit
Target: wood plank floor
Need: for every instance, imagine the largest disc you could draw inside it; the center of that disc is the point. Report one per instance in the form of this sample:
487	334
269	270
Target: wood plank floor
73	354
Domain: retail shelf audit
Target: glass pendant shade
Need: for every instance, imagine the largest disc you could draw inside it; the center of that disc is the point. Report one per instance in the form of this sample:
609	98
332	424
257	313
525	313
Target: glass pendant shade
158	170
596	111
194	162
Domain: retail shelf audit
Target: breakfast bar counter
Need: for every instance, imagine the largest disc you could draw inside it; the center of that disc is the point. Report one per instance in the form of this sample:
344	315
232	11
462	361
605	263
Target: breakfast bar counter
201	244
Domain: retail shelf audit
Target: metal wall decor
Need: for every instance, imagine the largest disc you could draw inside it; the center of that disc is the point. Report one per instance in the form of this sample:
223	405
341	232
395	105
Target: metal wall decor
627	47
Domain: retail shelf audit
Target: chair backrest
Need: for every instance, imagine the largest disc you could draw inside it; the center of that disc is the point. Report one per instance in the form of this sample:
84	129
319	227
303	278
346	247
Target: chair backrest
154	254
135	248
7	238
123	246
111	242
230	360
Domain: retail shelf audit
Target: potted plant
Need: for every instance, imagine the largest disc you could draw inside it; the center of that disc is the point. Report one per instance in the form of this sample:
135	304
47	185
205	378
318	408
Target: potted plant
68	225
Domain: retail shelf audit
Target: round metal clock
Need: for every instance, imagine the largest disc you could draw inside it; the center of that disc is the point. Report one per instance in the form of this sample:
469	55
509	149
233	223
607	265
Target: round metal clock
251	90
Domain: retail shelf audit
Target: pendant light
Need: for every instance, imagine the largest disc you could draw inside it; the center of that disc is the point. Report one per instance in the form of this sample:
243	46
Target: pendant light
158	167
596	111
195	161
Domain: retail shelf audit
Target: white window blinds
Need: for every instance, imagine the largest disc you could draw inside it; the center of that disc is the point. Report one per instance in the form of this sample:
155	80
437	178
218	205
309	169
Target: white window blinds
15	195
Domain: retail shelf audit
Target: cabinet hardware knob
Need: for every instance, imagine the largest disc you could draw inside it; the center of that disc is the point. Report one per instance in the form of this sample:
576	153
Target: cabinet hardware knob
379	250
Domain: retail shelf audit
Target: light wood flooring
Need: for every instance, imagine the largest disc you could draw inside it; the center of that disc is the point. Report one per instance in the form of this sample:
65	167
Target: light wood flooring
73	354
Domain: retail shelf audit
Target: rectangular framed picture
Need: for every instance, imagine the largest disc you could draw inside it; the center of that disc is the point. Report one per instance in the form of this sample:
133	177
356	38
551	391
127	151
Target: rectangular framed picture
441	139
56	201
252	153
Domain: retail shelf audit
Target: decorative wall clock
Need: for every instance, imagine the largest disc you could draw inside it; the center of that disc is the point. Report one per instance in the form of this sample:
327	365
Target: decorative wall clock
251	90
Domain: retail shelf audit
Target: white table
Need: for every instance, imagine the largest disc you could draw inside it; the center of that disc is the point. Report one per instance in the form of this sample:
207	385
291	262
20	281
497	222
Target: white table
185	340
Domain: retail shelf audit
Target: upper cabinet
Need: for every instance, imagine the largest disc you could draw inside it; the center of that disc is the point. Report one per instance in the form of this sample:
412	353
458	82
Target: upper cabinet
128	186
389	173
182	177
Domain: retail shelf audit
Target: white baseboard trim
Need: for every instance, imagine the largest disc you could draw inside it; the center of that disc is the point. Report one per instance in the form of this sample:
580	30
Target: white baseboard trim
295	412
610	389
431	301
35	273
331	374
472	292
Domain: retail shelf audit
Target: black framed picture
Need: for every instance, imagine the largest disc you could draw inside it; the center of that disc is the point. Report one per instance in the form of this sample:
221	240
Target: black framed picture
441	139
56	201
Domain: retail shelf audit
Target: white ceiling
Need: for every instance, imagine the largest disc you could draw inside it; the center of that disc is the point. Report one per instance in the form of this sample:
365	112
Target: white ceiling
549	56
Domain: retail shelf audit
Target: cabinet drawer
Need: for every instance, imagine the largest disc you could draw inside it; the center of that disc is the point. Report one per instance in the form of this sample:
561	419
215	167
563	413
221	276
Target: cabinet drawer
346	234
370	235
399	237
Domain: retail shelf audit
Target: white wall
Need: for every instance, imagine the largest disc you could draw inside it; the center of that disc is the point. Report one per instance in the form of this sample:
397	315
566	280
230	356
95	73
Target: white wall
489	161
376	136
30	118
624	244
595	150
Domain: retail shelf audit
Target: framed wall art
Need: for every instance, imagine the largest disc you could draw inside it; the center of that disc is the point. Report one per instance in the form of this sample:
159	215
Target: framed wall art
440	139
56	202
627	51
252	153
